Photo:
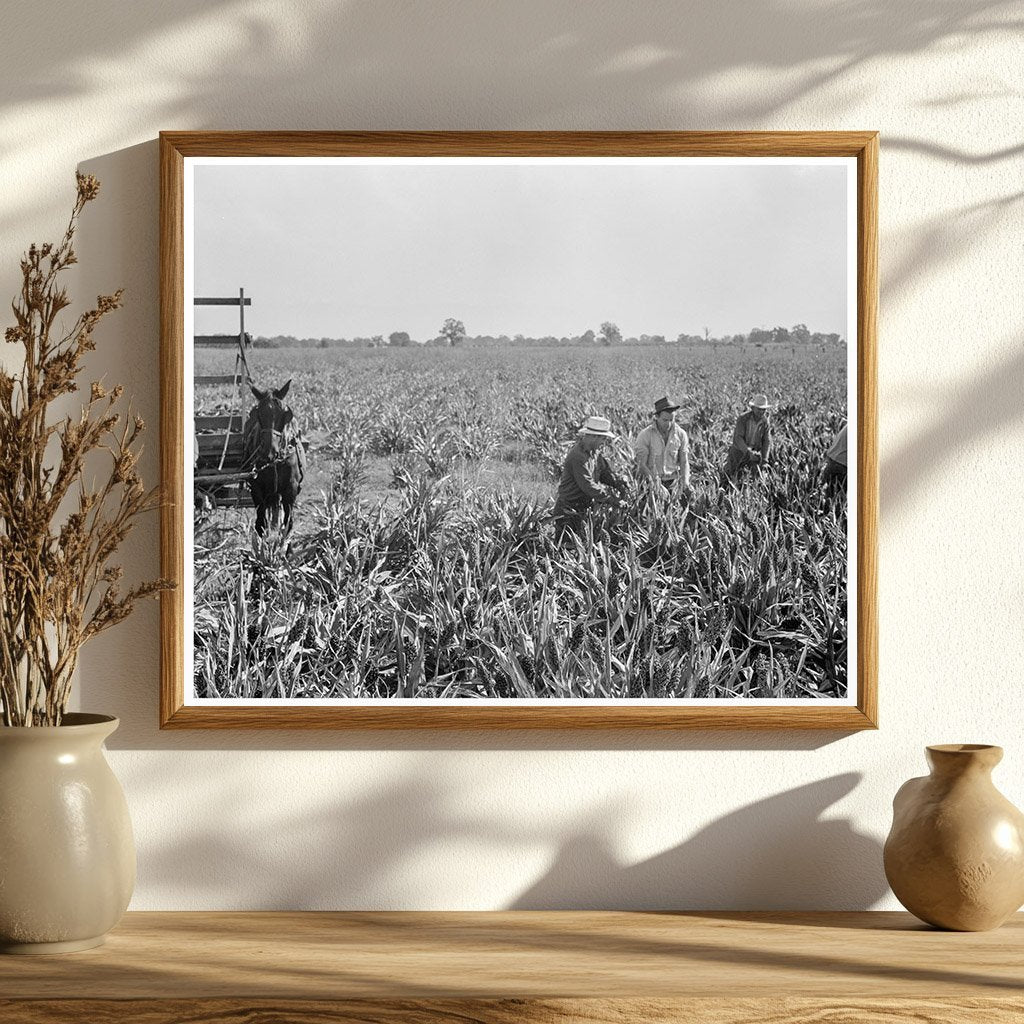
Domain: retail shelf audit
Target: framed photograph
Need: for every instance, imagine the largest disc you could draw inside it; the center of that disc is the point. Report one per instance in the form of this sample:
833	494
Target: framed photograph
519	429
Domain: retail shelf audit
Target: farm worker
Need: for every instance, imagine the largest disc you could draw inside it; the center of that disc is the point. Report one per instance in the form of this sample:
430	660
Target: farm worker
662	451
833	475
586	476
750	441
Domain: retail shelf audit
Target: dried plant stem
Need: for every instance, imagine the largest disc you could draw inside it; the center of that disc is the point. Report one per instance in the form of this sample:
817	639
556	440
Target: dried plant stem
57	586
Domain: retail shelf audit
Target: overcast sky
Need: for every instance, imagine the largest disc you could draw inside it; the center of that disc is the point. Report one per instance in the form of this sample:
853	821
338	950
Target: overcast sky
344	250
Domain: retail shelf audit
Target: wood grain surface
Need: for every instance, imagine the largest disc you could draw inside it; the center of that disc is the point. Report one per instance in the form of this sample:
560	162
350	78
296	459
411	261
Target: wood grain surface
532	955
172	426
516	1011
488	143
176	146
867	430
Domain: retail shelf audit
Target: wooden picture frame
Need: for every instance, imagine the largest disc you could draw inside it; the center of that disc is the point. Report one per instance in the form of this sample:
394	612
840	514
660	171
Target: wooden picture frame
177	152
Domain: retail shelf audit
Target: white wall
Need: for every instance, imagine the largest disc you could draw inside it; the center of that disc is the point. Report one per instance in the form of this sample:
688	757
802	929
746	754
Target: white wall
758	820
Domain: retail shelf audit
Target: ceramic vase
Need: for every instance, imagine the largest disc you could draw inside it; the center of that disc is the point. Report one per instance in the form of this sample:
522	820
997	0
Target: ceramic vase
67	854
955	854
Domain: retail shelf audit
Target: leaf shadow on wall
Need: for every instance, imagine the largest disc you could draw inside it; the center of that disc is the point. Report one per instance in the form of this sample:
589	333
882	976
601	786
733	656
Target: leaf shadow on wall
372	64
295	57
989	403
596	65
938	244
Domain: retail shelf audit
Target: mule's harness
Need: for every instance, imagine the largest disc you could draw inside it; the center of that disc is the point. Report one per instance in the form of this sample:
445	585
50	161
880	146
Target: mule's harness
284	454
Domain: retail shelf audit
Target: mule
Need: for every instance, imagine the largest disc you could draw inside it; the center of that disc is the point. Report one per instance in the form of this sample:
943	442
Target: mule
274	454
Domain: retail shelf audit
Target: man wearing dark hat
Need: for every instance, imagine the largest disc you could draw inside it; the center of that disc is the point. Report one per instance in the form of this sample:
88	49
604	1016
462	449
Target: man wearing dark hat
751	441
586	477
662	451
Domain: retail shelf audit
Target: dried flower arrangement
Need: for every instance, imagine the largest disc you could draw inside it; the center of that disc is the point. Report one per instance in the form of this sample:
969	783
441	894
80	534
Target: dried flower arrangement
57	586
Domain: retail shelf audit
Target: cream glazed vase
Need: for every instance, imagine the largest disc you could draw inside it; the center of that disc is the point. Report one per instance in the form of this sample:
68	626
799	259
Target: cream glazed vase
955	855
67	855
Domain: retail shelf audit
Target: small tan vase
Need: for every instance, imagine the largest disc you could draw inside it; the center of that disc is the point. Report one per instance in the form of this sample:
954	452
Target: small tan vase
67	855
955	854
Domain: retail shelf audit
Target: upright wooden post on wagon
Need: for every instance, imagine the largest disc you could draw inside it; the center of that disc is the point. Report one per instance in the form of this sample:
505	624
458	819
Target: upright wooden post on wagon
240	359
219	469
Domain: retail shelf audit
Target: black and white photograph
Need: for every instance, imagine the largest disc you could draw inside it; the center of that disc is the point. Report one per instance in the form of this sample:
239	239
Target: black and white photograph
520	430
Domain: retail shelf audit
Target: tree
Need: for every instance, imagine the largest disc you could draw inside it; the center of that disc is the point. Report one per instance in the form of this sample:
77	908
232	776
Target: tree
610	334
454	330
780	336
400	339
800	334
588	337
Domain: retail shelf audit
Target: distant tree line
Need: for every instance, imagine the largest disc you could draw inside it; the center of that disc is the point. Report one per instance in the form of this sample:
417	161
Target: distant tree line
453	335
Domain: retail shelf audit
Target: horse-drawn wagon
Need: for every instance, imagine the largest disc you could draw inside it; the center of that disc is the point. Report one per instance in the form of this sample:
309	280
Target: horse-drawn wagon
219	472
267	472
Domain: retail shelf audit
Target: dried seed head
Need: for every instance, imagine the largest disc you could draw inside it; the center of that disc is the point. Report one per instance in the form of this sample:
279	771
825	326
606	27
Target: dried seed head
108	303
124	467
88	186
97	391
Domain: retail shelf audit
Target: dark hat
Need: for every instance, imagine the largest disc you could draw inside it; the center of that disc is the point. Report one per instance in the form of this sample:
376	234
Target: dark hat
664	405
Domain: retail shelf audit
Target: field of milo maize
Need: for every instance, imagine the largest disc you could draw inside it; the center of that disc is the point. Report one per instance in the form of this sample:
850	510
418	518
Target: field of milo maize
423	561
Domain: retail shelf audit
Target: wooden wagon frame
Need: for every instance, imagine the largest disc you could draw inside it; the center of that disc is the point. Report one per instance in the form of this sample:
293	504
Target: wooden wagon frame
220	476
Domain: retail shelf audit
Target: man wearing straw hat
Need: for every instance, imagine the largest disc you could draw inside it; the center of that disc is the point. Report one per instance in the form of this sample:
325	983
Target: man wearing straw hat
586	476
750	441
662	451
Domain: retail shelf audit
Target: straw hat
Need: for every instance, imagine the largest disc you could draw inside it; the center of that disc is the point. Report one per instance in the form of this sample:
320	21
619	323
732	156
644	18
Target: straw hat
596	426
758	402
665	405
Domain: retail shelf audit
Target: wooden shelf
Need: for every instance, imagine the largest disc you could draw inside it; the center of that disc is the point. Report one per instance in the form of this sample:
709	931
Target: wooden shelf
424	968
